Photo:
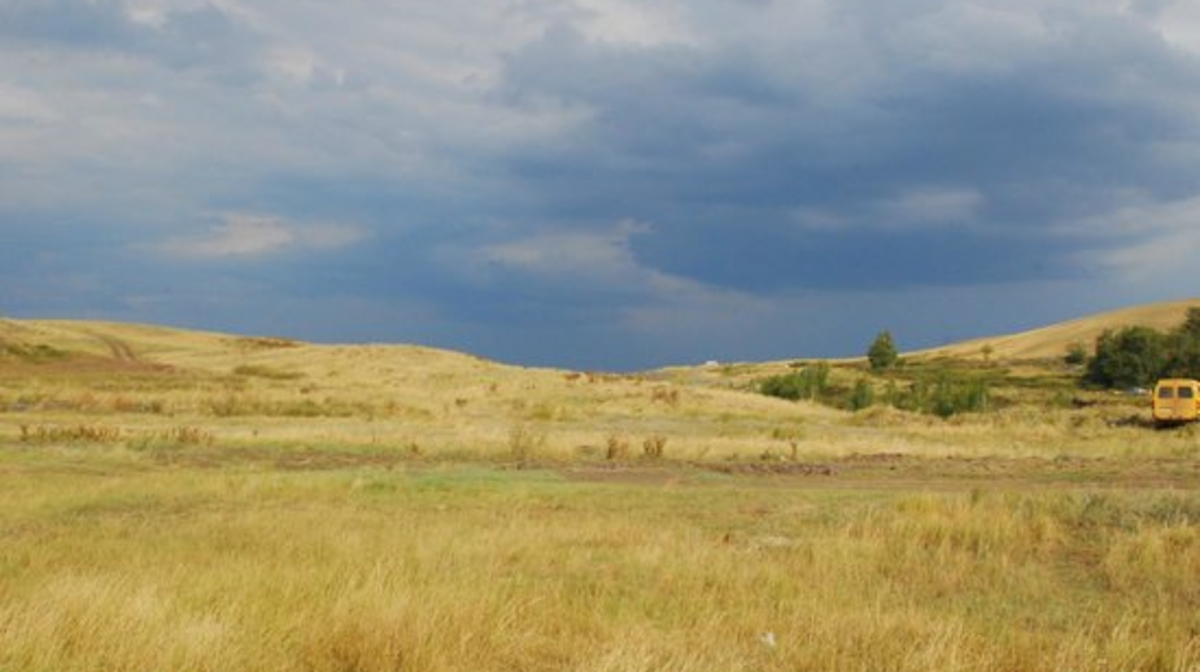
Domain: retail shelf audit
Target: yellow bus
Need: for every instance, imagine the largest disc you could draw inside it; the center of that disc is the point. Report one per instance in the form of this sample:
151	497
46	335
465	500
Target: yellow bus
1176	401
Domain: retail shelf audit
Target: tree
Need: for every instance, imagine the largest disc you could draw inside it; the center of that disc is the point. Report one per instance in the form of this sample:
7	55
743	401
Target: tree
1183	356
1130	357
1191	325
1137	356
987	351
882	353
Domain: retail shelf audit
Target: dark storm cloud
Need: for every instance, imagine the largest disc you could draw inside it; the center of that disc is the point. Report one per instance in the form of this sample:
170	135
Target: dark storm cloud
720	151
598	181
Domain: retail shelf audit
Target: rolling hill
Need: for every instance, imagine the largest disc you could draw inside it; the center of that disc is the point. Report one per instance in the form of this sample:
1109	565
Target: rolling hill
269	394
1053	341
77	341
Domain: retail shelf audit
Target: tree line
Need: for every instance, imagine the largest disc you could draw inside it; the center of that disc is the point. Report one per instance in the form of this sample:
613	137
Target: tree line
1138	356
1129	357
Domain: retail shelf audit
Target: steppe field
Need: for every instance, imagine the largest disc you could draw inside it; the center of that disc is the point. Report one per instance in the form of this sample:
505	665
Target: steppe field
174	500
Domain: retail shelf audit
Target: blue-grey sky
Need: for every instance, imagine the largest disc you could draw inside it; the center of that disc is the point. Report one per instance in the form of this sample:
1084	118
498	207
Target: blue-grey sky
599	183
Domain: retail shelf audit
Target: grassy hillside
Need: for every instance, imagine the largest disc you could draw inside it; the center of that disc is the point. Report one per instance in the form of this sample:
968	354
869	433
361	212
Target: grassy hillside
238	393
81	345
1053	341
256	390
1034	353
197	501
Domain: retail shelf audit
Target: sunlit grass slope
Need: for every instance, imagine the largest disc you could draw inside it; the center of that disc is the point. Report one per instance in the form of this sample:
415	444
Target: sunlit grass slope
255	390
175	500
152	387
1053	341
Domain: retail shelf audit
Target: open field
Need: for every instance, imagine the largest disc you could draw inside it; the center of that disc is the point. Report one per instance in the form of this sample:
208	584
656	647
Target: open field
187	501
111	562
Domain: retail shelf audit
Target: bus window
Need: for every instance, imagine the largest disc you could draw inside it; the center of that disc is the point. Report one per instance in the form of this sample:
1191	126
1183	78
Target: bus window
1166	393
1185	393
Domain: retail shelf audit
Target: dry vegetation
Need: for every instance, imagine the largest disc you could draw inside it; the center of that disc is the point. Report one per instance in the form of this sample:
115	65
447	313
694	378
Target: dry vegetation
187	501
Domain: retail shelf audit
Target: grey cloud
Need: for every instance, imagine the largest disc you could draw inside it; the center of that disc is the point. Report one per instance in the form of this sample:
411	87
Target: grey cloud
73	24
199	36
721	147
786	156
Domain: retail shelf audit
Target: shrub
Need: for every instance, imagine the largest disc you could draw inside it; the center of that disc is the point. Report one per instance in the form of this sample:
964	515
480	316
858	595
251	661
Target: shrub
808	383
863	395
1076	354
617	448
653	446
882	354
943	396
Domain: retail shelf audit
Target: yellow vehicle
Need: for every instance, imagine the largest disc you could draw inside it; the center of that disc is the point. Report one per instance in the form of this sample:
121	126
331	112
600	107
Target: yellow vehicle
1176	401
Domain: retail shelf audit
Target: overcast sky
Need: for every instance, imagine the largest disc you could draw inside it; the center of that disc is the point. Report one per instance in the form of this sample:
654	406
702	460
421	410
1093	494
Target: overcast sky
599	183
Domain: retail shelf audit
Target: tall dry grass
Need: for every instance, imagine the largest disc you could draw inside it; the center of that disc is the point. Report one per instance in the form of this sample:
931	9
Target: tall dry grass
268	394
200	508
111	563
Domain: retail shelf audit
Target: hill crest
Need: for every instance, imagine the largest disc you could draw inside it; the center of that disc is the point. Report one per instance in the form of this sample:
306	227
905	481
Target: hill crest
193	348
1052	341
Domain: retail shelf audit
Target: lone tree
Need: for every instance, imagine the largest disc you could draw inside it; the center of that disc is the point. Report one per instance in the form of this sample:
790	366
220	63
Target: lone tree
882	353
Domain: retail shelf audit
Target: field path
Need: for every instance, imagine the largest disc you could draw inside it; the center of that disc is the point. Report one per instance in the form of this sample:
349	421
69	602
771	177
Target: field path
120	349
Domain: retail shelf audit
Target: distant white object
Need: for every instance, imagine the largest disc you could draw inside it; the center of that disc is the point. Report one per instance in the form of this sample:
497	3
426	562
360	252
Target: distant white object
712	363
768	638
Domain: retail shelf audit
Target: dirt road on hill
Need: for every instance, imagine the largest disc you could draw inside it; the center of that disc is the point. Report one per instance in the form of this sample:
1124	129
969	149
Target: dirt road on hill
119	349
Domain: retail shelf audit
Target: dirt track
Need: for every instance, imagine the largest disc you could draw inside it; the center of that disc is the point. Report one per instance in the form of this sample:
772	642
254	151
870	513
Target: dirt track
120	350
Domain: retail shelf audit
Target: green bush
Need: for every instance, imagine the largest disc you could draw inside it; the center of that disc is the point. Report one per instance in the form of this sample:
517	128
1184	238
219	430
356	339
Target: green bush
882	354
863	395
808	383
945	395
1076	354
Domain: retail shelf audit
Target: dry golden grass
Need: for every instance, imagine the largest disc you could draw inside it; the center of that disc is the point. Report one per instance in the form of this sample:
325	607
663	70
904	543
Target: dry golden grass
1052	342
146	383
188	501
112	563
